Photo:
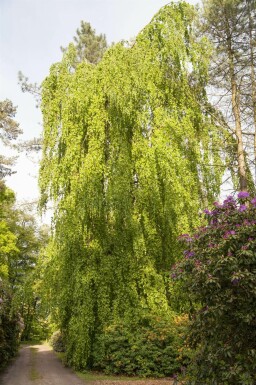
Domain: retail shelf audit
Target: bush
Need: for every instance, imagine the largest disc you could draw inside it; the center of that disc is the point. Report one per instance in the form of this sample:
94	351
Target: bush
57	343
148	347
10	327
218	273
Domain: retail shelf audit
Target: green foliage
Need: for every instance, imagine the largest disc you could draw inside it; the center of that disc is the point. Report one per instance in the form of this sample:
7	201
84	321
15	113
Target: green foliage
20	241
8	239
148	346
24	276
218	273
56	341
129	156
10	326
9	131
28	301
19	247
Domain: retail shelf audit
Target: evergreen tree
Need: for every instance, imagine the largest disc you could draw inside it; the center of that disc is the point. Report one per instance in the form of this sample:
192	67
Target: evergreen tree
248	30
89	46
230	25
9	131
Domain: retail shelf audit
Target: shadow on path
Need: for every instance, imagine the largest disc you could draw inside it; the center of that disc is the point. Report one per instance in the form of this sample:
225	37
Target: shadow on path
38	365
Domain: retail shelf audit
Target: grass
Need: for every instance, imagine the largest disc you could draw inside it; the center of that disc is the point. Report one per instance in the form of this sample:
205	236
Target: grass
31	342
96	376
61	357
33	373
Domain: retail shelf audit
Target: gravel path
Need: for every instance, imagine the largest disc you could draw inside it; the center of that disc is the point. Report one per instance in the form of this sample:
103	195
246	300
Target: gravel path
38	365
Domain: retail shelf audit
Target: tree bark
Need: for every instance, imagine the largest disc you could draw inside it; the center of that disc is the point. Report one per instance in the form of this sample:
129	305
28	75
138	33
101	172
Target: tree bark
235	98
253	77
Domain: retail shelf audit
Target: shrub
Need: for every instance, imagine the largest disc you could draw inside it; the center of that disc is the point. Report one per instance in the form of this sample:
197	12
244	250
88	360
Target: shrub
147	347
218	272
10	327
56	341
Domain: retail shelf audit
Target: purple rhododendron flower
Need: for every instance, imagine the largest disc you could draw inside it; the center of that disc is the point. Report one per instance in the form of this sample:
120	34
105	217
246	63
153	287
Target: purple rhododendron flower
186	238
214	221
235	281
228	233
253	201
188	253
242	208
207	212
243	195
229	201
229	198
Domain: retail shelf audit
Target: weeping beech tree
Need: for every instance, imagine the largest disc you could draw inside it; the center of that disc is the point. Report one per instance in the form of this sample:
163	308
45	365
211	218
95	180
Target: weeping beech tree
130	154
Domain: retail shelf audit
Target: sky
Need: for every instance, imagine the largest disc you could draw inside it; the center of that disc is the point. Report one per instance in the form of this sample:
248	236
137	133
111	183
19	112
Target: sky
31	33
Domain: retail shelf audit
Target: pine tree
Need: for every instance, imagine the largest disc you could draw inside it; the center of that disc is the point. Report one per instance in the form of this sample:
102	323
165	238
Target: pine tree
9	131
89	46
230	25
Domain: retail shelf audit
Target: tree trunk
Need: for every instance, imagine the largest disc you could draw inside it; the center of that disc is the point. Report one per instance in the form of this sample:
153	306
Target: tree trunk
253	77
235	97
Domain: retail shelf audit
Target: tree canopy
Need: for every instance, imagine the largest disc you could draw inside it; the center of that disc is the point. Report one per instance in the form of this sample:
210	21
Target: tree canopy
130	154
133	150
9	131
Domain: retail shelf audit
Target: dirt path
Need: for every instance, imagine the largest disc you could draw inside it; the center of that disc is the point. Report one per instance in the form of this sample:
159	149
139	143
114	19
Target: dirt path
38	365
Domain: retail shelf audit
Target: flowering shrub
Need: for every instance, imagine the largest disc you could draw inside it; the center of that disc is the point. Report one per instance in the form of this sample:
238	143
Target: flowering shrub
218	272
56	341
